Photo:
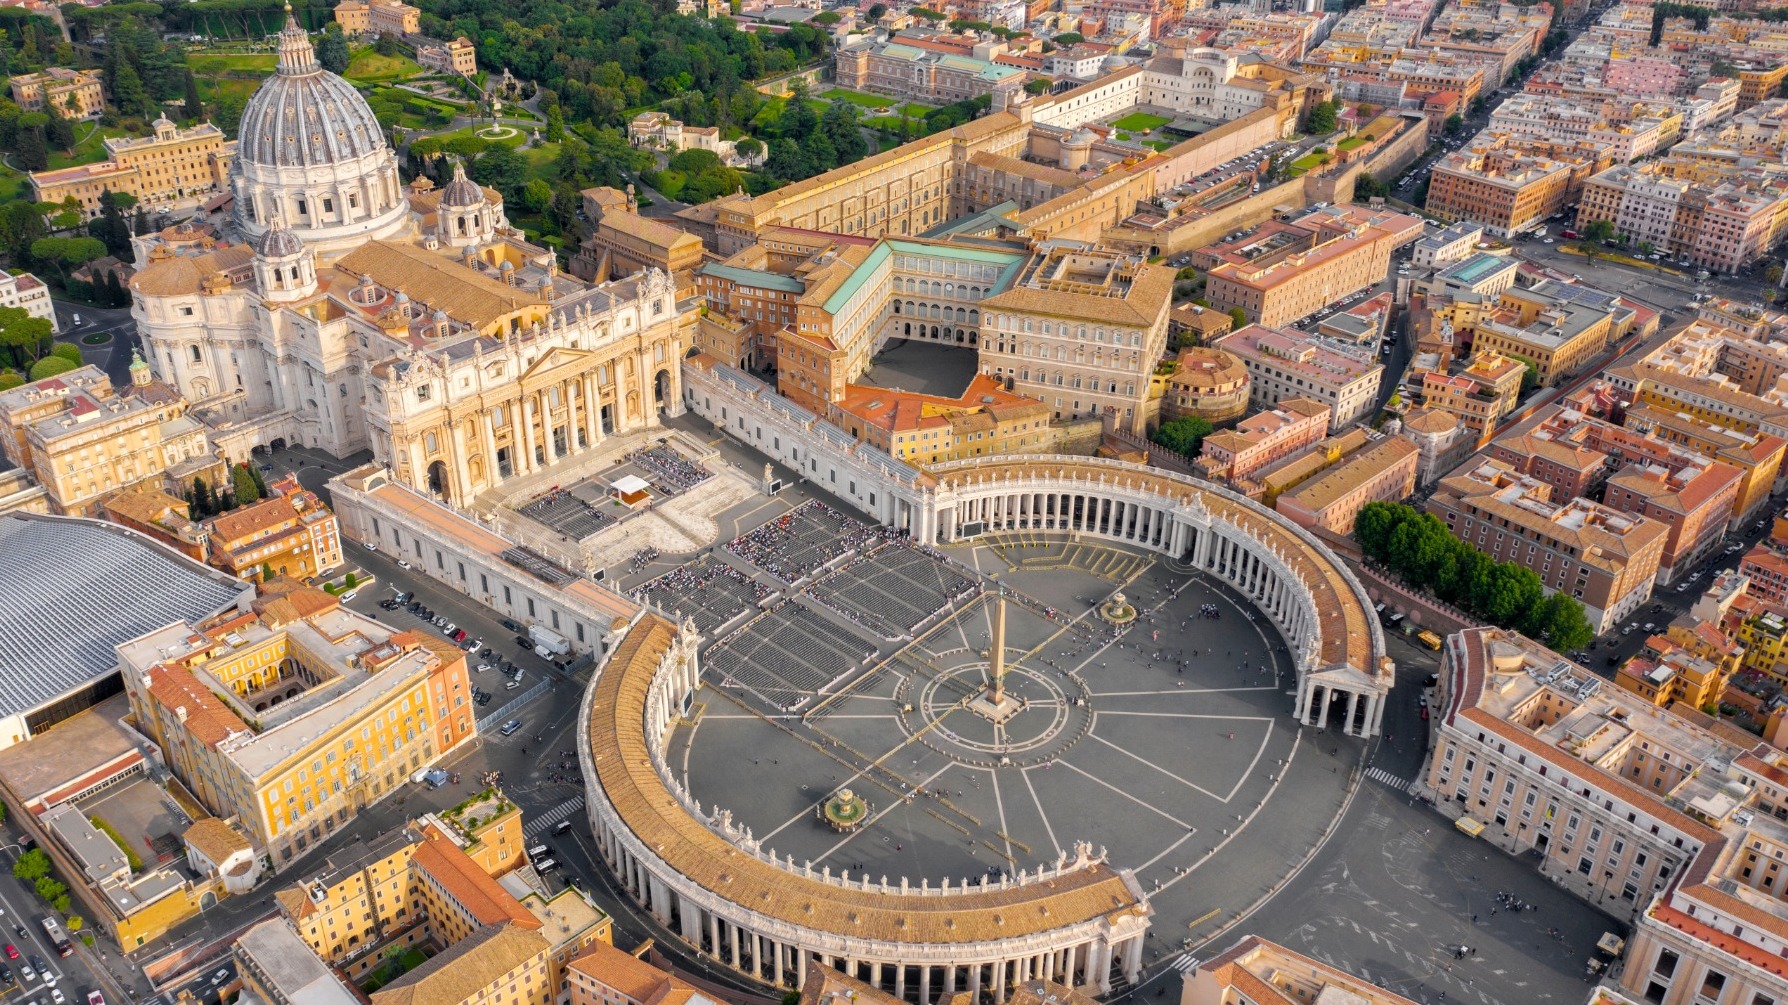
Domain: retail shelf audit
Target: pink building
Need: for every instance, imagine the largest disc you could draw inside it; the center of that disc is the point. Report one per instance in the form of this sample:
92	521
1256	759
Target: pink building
1645	76
1260	440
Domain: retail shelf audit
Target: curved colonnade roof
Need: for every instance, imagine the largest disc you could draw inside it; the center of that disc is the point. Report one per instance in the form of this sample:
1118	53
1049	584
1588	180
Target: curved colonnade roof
1342	615
624	770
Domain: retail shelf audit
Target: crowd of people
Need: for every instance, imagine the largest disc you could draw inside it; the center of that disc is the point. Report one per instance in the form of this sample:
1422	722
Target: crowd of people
643	558
668	469
684	583
1209	611
783	549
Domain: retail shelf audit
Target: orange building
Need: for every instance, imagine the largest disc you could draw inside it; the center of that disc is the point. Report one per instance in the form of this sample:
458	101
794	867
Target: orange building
289	534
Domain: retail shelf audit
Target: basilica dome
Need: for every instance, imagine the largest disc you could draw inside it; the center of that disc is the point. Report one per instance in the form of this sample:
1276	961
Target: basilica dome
311	153
305	116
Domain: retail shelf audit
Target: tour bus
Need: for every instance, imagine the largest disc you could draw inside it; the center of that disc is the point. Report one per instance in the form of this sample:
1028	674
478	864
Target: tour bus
57	937
1428	639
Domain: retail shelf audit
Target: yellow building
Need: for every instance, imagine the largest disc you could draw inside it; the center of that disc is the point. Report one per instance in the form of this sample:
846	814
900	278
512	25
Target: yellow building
83	441
1690	664
1757	455
1557	334
621	242
76	94
173	165
295	716
498	939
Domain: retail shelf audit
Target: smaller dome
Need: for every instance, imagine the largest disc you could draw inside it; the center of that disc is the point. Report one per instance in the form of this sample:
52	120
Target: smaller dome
461	191
280	242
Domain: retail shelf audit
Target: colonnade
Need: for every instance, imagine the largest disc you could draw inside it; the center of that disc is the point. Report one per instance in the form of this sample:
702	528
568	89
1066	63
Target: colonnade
774	952
1183	528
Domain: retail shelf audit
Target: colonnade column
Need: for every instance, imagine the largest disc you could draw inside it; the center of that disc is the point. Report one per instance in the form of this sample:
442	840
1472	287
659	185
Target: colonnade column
572	446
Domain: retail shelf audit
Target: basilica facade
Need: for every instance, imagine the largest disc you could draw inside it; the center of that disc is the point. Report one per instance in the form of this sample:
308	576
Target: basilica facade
339	309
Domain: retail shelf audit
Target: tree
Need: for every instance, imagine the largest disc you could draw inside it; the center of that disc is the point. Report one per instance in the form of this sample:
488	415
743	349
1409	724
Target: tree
332	49
750	149
110	226
33	152
555	125
502	168
32	866
1069	38
785	160
193	108
244	485
1530	378
127	90
537	195
876	11
1455	124
67	252
1321	120
1238	317
51	366
75	923
1183	435
1599	231
10	378
386	45
1559	622
203	504
25	338
798	119
57	131
68	351
842	128
818	152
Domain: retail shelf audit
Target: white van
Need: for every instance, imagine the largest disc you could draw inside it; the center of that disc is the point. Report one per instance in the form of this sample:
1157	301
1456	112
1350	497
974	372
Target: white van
546	865
538	850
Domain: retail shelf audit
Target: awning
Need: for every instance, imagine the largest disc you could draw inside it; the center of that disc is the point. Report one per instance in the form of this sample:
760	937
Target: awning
1469	825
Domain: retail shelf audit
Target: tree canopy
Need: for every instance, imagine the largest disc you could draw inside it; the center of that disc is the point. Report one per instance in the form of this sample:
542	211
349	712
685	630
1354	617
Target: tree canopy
1183	435
1418	549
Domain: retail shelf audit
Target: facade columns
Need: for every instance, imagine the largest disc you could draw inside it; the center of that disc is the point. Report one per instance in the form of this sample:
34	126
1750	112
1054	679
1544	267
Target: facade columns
526	422
572	446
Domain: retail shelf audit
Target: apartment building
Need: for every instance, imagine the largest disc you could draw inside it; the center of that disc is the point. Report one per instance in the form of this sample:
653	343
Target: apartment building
1510	184
28	293
1384	471
604	975
503	938
290	533
296	715
1287	363
1604	558
1721	222
1479	393
1666	671
1756	456
75	94
1693	499
171	166
457	55
1343	250
1454	243
1263	439
923	73
377	17
1629	129
82	440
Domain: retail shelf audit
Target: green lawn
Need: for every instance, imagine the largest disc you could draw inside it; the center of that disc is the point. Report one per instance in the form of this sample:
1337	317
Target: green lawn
14	186
368	67
89	150
1351	143
857	98
1308	162
212	63
212	89
1141	122
915	110
392	969
1158	144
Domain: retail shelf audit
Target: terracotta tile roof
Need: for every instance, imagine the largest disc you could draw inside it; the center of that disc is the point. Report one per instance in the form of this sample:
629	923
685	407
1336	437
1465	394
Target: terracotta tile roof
463	971
215	839
482	897
625	972
208	719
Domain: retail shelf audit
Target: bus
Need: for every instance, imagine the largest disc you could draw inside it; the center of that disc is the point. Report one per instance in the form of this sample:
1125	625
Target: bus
1428	639
58	938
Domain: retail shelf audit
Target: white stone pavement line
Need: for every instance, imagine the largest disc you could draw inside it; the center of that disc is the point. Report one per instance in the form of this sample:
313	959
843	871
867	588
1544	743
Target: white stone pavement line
1235	832
1381	775
1049	829
999	804
1253	762
1158	811
1184	963
1178	690
1334	825
867	824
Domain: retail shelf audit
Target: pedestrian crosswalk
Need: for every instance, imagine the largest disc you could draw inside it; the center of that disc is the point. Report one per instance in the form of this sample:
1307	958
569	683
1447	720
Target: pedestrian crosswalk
539	824
1185	964
1381	775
